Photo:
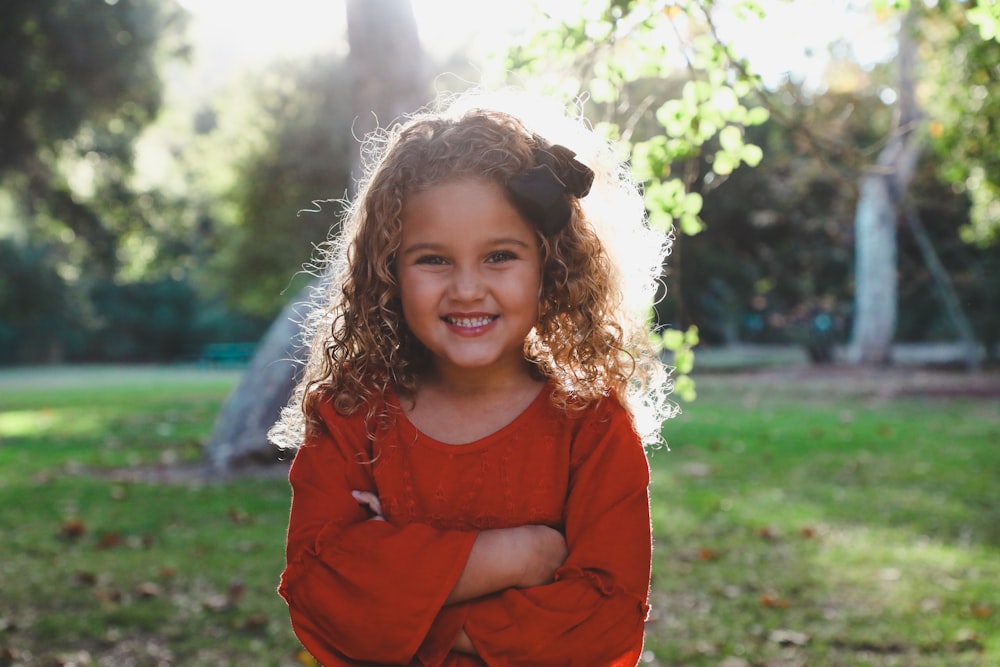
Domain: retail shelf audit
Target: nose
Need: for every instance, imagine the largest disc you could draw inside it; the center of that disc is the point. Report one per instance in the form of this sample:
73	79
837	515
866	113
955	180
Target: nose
467	283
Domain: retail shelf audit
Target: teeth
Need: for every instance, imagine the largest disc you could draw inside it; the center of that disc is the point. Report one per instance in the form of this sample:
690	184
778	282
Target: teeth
470	321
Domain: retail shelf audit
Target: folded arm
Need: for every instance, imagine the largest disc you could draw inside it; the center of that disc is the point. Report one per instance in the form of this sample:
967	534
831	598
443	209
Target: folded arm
594	610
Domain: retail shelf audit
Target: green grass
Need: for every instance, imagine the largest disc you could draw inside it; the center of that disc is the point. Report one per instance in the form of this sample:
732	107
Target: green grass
795	524
98	567
811	525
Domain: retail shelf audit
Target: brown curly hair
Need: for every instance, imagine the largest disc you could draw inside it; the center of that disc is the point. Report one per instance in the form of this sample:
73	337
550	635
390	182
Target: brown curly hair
584	341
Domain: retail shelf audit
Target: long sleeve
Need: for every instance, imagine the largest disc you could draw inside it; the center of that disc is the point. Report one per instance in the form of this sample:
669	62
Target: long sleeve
359	591
595	610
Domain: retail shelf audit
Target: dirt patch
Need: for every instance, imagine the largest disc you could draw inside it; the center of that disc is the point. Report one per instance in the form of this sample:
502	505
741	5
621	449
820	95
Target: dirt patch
193	473
859	381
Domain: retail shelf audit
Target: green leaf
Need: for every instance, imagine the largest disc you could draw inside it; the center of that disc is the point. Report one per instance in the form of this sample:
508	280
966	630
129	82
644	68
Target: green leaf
684	388
723	164
752	154
684	360
691	337
757	116
692	203
660	219
731	139
691	224
673	339
986	16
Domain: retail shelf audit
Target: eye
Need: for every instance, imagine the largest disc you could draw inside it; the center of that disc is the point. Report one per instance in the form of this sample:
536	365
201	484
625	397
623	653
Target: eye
501	256
432	260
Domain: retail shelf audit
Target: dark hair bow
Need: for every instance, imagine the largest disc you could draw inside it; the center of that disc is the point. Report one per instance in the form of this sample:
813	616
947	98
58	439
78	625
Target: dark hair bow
539	193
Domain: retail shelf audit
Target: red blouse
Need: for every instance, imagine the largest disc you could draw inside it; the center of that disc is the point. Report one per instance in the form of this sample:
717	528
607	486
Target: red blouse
365	592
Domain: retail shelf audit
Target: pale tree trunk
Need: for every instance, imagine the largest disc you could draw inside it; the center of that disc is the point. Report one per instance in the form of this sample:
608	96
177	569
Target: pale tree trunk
390	78
388	67
875	299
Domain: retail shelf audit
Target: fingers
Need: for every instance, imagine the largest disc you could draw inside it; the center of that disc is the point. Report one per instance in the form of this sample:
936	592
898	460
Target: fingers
371	501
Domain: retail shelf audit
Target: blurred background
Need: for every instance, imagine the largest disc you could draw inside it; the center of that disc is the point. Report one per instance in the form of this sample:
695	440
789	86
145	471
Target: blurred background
830	171
158	156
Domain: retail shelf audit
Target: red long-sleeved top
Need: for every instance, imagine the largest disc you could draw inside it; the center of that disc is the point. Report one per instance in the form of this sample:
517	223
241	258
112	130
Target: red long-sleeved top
366	592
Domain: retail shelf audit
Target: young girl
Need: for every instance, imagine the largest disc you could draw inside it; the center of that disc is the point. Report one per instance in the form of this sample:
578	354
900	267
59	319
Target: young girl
471	486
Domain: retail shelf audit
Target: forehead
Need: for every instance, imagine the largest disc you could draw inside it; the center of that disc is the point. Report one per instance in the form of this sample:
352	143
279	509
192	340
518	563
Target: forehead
461	209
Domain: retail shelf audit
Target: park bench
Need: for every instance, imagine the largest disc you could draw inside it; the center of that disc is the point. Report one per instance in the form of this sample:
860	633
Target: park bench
226	354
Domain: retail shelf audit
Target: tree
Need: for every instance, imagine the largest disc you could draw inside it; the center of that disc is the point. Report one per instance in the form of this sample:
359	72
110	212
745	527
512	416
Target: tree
971	162
961	50
78	82
640	58
876	215
389	78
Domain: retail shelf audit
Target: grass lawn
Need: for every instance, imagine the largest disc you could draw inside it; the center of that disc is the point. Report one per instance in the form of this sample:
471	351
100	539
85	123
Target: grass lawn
798	522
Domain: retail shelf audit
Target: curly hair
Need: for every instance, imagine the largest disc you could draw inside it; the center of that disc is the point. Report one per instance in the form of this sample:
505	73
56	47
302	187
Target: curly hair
599	273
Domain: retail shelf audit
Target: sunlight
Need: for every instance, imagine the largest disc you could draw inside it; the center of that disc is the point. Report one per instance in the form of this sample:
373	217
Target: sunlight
794	39
261	30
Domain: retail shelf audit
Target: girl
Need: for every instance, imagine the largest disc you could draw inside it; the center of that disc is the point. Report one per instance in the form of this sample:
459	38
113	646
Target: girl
471	486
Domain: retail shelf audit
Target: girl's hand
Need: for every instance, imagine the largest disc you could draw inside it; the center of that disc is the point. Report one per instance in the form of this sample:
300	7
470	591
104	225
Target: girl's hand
370	501
545	551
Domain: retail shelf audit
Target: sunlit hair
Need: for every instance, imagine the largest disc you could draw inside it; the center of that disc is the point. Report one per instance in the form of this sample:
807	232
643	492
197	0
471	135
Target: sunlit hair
599	273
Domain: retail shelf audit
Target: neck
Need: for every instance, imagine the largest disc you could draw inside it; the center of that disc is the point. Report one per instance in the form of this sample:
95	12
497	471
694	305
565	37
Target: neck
476	384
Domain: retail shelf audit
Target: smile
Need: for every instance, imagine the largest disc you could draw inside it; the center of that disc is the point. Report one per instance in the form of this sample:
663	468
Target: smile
470	322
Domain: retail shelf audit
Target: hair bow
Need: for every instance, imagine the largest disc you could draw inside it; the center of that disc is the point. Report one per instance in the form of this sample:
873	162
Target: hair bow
539	193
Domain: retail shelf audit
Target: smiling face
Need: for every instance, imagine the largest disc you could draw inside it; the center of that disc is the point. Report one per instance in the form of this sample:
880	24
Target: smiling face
470	271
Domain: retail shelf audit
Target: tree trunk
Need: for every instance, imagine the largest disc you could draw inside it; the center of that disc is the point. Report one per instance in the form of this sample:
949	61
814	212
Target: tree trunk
390	79
240	434
875	286
388	67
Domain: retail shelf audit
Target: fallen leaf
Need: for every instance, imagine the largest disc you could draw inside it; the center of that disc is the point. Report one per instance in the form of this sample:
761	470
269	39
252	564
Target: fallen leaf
108	596
73	529
148	590
789	638
808	532
216	603
733	661
78	659
256	624
109	540
982	610
236	591
773	602
238	516
968	640
85	578
708	554
768	533
305	658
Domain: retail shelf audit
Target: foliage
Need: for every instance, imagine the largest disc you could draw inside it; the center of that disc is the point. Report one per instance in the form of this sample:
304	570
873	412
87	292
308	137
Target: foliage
781	533
609	50
36	307
962	52
777	264
78	82
288	144
44	318
156	320
974	269
774	263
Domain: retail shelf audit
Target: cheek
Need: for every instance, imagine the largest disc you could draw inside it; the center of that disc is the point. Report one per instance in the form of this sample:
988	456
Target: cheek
416	293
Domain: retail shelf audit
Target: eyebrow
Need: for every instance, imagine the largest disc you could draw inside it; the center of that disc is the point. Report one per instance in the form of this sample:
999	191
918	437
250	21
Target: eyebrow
420	247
